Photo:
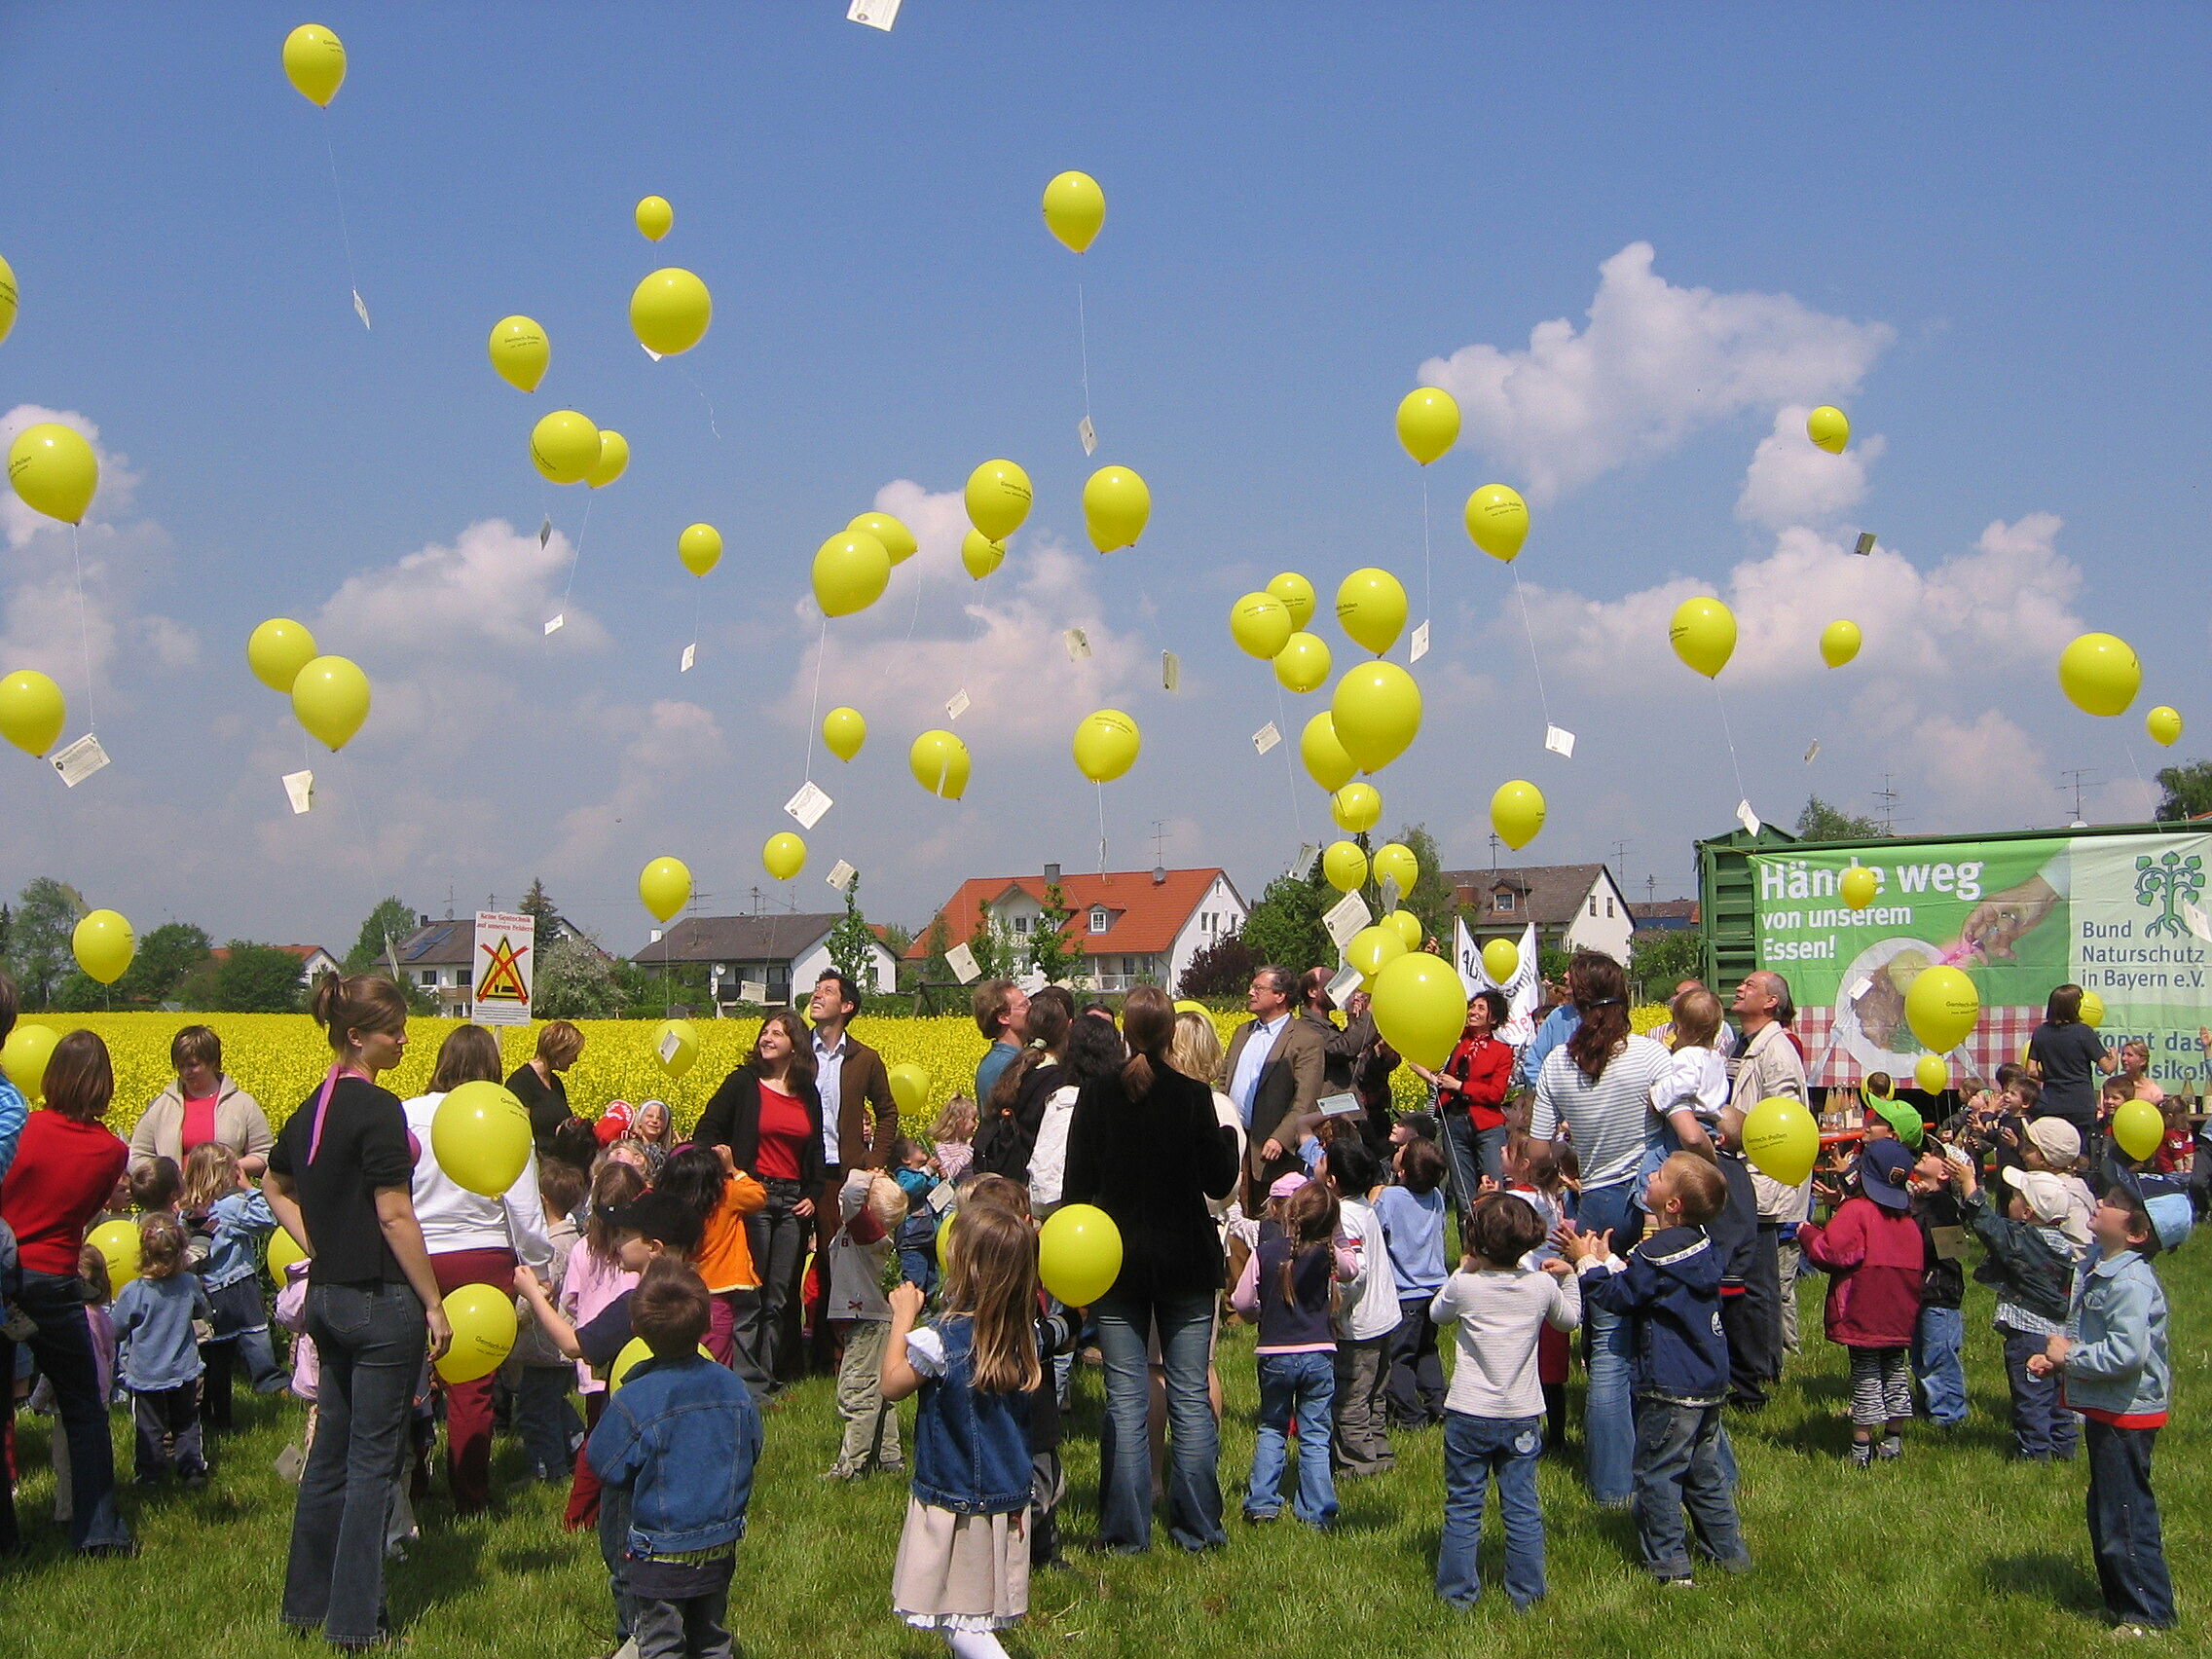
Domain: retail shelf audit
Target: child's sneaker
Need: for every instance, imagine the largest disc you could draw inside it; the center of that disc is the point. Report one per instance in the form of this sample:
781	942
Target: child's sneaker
1861	1454
1891	1446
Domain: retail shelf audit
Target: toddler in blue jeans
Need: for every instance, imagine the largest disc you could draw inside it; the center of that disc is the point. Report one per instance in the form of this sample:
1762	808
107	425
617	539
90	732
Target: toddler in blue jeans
1493	1416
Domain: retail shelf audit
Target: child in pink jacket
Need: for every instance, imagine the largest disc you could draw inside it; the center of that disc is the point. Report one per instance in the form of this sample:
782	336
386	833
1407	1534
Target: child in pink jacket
1876	1260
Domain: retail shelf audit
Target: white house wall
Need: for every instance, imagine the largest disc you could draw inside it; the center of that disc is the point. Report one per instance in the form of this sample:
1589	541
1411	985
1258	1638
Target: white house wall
1220	900
883	967
1608	935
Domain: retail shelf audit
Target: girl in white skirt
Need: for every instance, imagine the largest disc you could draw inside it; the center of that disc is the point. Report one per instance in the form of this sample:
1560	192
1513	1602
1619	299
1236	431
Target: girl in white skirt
963	1564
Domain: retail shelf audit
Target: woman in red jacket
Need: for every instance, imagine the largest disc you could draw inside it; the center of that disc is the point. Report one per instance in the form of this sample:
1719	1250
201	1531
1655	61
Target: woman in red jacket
1470	1096
1876	1260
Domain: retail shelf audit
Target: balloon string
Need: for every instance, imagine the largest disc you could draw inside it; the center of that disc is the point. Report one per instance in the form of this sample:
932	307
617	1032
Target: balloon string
344	234
1536	662
814	719
698	608
1427	600
703	398
1289	771
1721	703
915	618
1083	342
1101	789
83	630
582	530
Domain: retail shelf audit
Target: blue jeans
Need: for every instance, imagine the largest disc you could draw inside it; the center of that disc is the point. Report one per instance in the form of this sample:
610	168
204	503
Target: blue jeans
1469	1154
1194	1475
2123	1526
1939	1364
1677	1464
1477	1450
1303	1384
63	1348
1608	1410
371	1341
613	1541
2042	1426
547	1423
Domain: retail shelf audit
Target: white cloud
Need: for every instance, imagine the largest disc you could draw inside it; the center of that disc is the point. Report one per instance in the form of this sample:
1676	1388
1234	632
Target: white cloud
1656	363
1792	480
665	744
494	583
169	642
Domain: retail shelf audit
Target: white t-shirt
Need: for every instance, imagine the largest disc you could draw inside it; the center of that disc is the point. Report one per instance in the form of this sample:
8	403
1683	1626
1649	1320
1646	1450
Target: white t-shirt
1049	1157
454	1217
1499	1315
1696	1080
1609	1117
1370	1305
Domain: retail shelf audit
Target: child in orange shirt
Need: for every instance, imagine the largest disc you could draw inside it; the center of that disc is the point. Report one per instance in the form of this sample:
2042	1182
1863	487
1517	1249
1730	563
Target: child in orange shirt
709	1184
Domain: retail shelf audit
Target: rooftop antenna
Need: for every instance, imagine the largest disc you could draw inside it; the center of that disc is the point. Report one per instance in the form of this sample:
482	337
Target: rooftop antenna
1650	890
1158	864
1889	797
2079	779
1620	851
1493	852
449	900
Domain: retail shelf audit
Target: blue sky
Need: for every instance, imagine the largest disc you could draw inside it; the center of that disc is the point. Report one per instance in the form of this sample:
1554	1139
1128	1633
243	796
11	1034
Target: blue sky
1987	224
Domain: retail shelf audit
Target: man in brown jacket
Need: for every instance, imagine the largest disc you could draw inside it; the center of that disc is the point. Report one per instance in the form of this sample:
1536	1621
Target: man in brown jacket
1278	1065
859	1122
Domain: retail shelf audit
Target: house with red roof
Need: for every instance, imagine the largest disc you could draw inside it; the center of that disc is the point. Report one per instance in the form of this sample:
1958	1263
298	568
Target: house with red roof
1133	927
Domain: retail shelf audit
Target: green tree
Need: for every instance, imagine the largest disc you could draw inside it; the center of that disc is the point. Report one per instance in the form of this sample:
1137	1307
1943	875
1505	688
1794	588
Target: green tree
932	969
852	942
257	978
392	919
1050	951
2184	791
576	981
1661	958
1551	963
1431	901
1284	927
897	938
39	953
537	905
1821	821
164	957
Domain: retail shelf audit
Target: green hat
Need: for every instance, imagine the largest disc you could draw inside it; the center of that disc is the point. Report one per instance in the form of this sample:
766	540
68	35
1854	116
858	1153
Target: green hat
1901	1118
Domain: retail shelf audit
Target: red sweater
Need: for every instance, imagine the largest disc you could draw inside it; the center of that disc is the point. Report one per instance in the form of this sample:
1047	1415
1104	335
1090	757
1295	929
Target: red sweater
63	1174
1875	1263
1487	1069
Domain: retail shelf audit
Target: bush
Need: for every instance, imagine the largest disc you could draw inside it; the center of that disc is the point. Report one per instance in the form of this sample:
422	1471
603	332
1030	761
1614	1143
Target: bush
1223	968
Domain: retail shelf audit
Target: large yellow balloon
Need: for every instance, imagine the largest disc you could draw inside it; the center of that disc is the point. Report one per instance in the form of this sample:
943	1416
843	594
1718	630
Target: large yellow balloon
655	217
670	310
54	470
1377	713
2163	723
665	887
1782	1139
1502	960
997	499
32	711
1304	663
7	298
1078	1254
520	351
117	1243
330	697
2138	1128
1859	886
910	1088
851	571
980	555
1941	1006
24	1058
1356	808
277	651
1260	624
314	62
1828	428
1840	643
283	1251
1420	1006
1702	634
1373	947
1106	745
1497	521
700	548
1115	507
897	541
2092	1009
2099	674
480	1135
1326	762
1931	1075
1371	608
1394	861
104	946
1074	209
679	1057
1517	812
564	447
1406	925
482	1321
843	731
783	855
940	763
1295	593
613	459
1344	865
1429	423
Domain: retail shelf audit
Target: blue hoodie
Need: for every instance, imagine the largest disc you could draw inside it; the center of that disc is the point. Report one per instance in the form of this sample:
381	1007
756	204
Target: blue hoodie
1669	1289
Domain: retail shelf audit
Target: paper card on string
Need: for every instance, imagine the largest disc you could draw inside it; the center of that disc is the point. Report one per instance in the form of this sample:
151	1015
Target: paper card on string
956	705
1343	984
1421	644
2199	923
753	991
942	1196
1346	917
671	1046
1866	542
962	961
1388	894
1813	754
1171	671
1749	819
299	789
1859	988
1089	434
362	309
876	13
506	956
1032	982
545	531
1307	853
841	876
691	656
648	350
1560	741
556	625
1265	738
80	761
1079	645
1343	1105
808	805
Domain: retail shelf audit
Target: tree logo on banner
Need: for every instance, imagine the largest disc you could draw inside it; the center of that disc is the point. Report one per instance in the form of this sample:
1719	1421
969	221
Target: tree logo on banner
2170	883
503	978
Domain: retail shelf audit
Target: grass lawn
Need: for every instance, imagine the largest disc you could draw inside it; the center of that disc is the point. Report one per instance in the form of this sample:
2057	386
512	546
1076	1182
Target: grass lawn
1950	1552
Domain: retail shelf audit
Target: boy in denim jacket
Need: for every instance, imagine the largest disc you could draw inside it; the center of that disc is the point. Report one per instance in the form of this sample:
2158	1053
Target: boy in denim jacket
681	1434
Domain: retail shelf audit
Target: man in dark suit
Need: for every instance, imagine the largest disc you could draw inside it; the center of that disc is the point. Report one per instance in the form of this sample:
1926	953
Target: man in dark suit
1278	1065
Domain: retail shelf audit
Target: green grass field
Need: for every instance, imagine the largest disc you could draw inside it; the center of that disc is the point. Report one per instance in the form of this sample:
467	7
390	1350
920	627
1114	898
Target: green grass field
1950	1552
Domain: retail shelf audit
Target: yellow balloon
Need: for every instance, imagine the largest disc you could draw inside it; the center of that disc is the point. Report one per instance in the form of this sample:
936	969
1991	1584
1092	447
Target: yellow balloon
1517	812
2099	674
1828	428
2092	1009
1394	861
32	711
1429	423
314	62
118	1242
843	731
1931	1075
783	855
1941	1006
564	447
1106	745
54	470
1497	521
655	217
1407	926
1840	643
665	887
897	541
939	763
1702	634
980	555
1304	663
482	1321
1859	886
277	651
1420	1006
520	351
1357	807
851	571
1373	948
283	1251
1502	960
1115	507
1377	713
1326	762
1295	593
910	1088
104	946
24	1058
1782	1139
1344	865
330	697
670	310
1260	624
7	298
635	1353
2138	1128
613	459
1371	608
679	1056
480	1135
1078	1254
2163	723
700	548
997	497
1074	209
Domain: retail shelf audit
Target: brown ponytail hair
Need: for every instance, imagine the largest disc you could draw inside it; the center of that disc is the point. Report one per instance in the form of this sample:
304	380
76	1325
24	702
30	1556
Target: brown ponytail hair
357	1002
1600	990
1148	1027
1051	1012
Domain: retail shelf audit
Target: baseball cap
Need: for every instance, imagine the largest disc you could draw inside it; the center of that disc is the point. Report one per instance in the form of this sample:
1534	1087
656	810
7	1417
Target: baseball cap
2059	1141
1286	1185
1903	1118
2045	1192
612	1123
1882	1168
662	1217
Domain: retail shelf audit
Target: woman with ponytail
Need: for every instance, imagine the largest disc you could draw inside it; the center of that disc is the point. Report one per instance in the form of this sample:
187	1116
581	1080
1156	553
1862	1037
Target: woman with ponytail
340	1180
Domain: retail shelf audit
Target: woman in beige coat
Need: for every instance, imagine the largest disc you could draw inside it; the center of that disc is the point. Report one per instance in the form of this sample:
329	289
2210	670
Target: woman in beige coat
202	1105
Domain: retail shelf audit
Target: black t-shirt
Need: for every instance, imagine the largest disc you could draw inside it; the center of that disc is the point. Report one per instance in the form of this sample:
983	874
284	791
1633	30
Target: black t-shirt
546	1102
364	1147
2068	1055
